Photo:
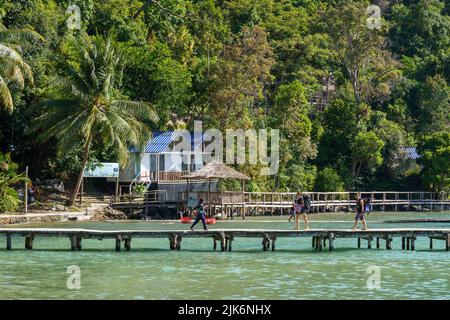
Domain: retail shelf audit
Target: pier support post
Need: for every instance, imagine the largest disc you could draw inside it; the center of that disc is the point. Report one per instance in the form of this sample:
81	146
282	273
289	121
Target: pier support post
378	243
78	243
319	244
265	242
273	242
118	242
408	243
413	240
29	242
331	241
73	245
447	243
222	242
230	242
359	242
388	243
313	242
369	242
8	242
127	244
403	243
431	243
175	242
178	242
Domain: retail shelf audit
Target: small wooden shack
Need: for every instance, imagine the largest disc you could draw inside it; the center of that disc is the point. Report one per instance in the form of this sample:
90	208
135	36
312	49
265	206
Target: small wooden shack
226	201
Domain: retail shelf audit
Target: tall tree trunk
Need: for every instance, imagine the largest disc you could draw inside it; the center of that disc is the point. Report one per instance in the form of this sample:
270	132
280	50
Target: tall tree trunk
356	91
87	147
353	74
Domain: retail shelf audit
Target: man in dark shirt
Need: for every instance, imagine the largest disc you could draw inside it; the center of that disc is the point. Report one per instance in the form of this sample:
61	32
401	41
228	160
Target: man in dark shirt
200	215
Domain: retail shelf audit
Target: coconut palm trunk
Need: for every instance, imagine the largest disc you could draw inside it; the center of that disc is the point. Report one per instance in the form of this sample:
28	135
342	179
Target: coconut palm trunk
76	189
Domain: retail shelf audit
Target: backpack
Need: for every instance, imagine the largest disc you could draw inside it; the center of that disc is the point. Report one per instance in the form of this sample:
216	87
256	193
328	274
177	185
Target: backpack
367	206
307	202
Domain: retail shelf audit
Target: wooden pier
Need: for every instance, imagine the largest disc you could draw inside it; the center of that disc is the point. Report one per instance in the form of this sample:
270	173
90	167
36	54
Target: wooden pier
243	204
320	238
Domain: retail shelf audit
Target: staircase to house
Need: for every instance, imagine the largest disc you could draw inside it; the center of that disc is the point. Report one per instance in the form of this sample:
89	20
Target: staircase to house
95	194
139	179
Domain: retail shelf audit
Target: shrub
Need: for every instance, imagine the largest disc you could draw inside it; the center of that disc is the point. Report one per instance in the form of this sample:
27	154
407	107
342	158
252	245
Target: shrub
9	199
328	180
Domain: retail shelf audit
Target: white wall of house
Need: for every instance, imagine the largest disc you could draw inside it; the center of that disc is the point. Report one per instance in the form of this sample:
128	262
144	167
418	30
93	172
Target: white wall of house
145	162
130	172
141	163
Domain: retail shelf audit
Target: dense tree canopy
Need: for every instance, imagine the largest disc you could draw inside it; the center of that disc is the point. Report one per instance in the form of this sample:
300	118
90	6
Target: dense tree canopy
247	64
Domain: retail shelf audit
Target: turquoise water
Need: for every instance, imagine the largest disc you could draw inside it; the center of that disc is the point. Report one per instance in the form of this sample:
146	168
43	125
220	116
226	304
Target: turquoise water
151	271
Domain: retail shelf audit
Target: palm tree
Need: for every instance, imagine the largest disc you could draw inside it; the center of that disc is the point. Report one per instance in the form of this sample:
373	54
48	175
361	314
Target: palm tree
9	199
90	106
12	66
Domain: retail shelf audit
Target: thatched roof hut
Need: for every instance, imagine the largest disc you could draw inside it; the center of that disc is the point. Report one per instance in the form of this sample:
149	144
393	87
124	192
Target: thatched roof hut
216	170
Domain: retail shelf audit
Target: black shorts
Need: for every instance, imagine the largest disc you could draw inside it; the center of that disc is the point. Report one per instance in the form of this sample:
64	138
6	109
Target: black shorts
360	216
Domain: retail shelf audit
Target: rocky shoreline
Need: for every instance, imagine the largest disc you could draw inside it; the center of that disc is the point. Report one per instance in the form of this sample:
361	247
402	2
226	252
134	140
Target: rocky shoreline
95	214
35	218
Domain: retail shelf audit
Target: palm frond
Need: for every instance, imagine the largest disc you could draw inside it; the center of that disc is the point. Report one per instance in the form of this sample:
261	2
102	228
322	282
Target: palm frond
141	110
19	35
9	53
5	96
10	71
28	74
54	112
14	46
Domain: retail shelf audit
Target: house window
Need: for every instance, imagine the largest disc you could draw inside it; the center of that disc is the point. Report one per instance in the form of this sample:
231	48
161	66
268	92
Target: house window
162	163
153	162
194	164
184	163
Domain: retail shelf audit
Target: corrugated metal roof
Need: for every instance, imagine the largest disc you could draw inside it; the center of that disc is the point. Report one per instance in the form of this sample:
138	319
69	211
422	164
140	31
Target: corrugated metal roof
161	141
411	153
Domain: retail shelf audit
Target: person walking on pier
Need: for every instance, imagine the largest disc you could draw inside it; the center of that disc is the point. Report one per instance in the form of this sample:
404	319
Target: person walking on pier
299	209
200	215
291	213
360	212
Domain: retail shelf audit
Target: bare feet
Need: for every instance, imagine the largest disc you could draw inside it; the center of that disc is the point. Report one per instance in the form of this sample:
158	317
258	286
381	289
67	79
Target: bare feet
364	229
354	229
306	228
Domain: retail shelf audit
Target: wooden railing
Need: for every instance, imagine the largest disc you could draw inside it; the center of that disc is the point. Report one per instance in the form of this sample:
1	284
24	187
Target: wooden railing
153	196
253	202
162	175
285	199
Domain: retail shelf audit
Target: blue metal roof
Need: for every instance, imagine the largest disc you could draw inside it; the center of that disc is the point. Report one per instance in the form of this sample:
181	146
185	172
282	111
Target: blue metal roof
161	141
411	153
